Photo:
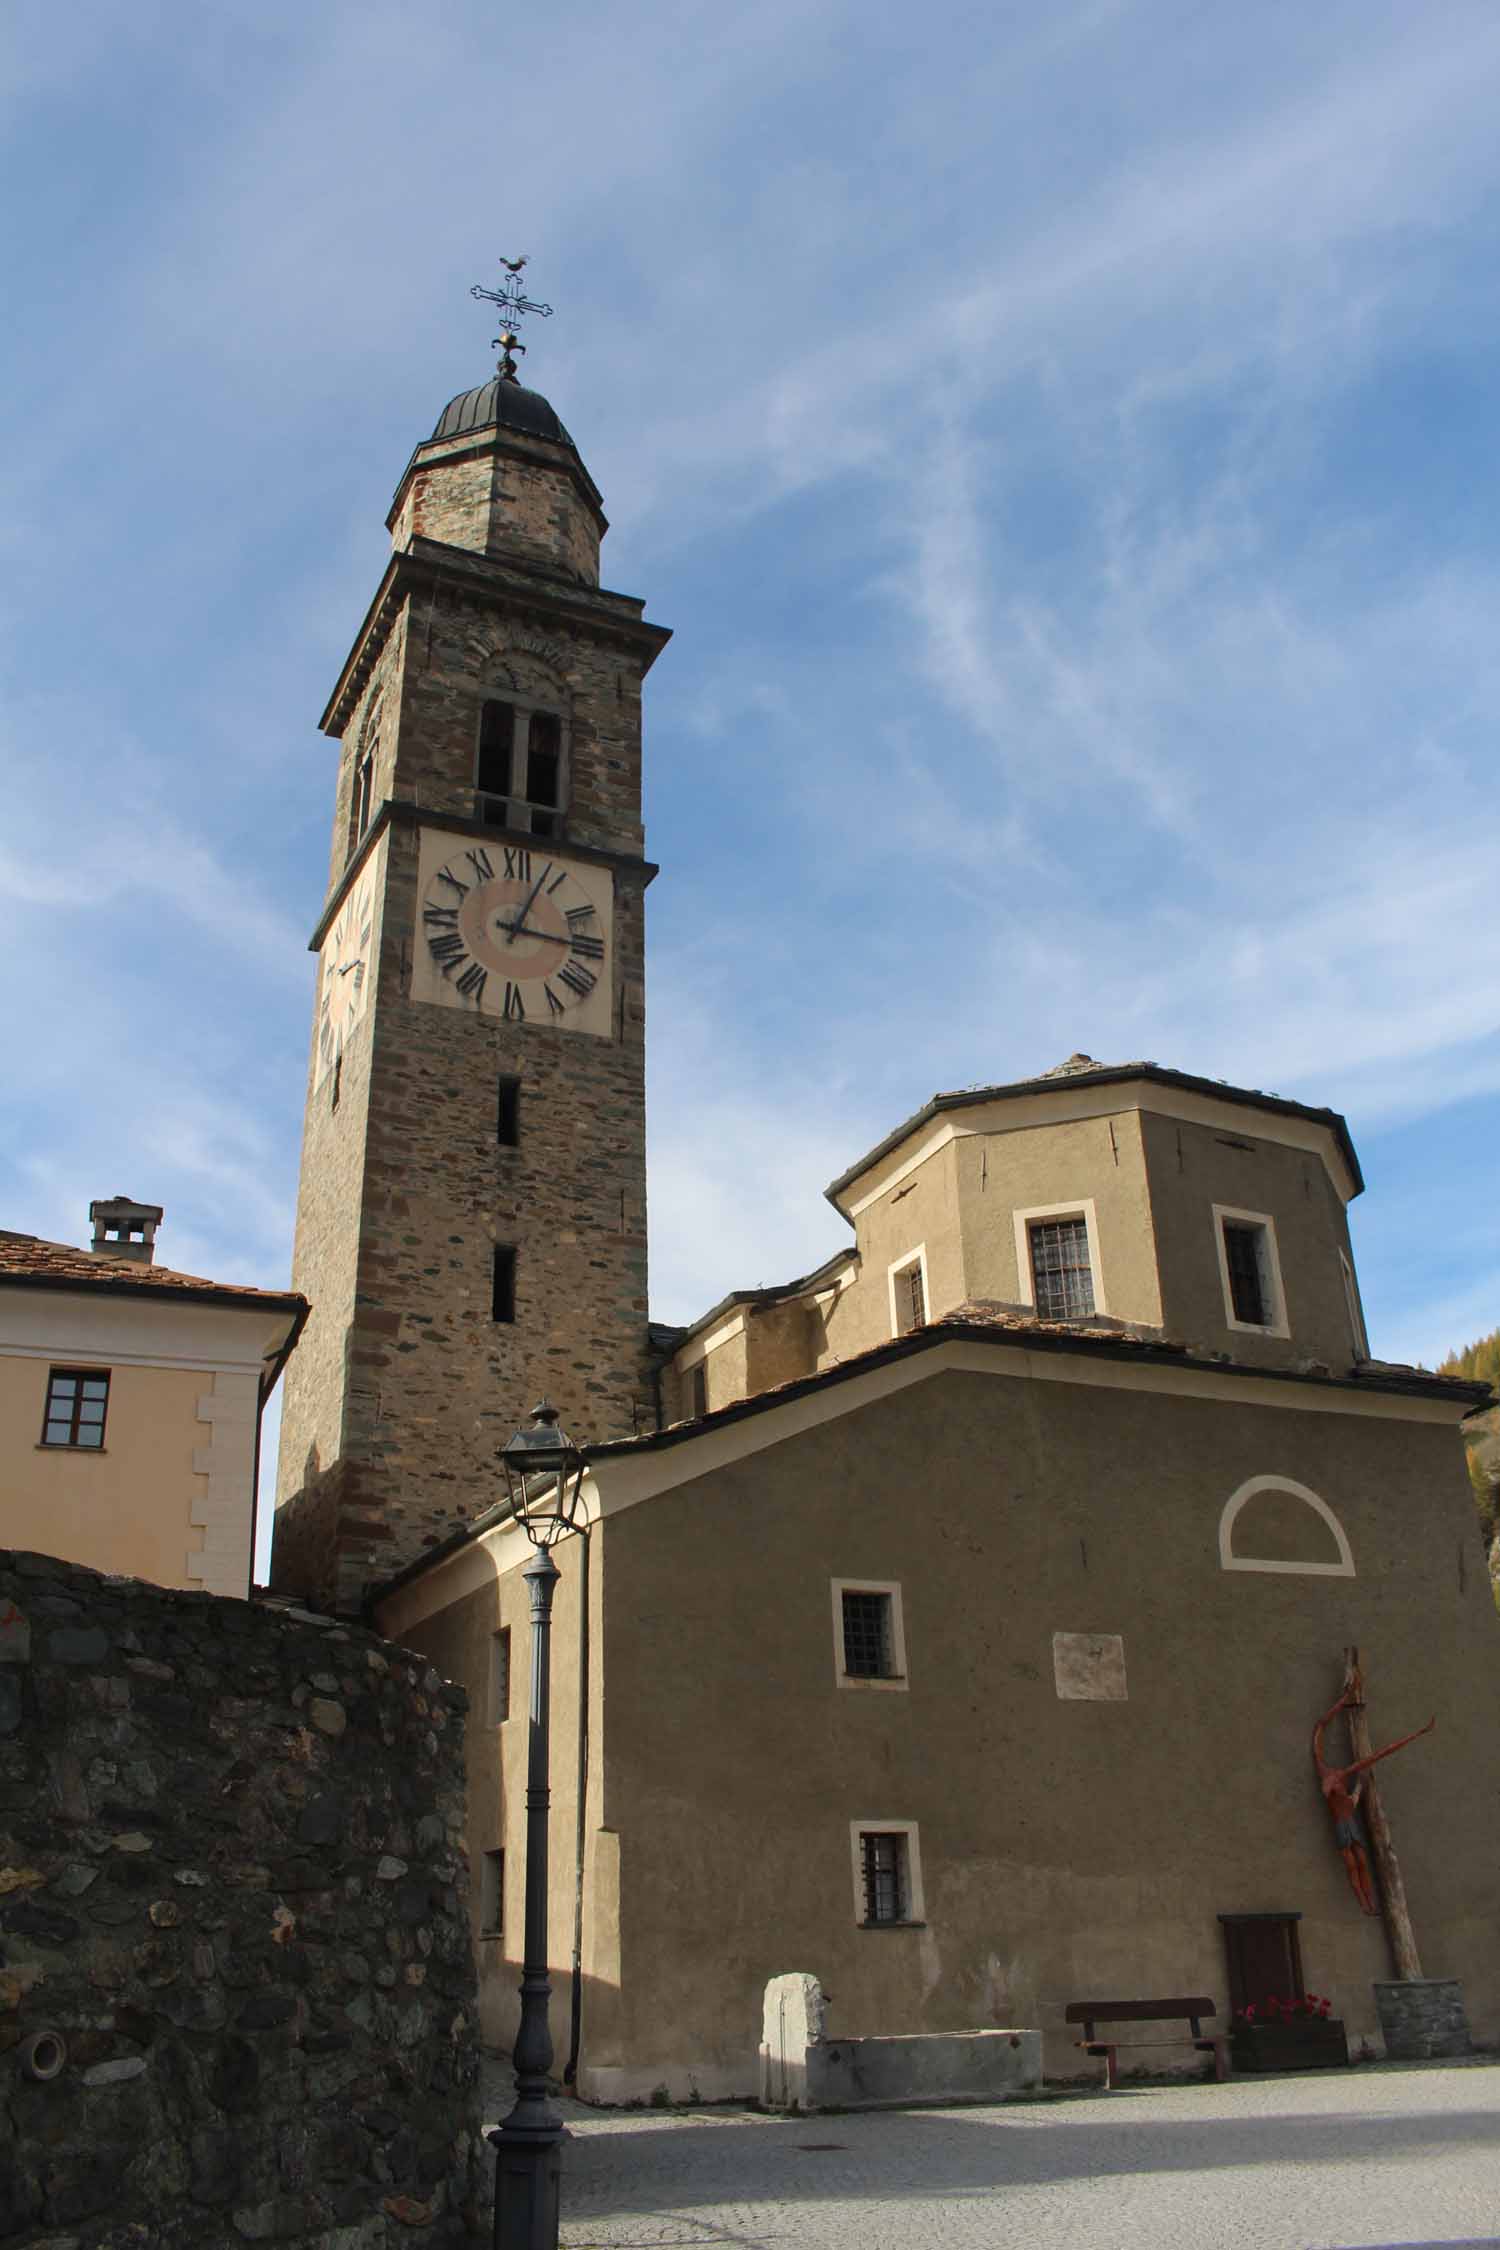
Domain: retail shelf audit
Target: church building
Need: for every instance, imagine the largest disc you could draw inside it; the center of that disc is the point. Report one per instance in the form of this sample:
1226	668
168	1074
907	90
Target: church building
951	1622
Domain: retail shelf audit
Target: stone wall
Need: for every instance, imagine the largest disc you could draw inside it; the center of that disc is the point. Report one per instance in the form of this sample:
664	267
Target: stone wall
403	1385
233	1888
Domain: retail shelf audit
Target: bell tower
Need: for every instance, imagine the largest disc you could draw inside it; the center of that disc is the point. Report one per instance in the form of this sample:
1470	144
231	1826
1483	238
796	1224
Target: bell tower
471	1216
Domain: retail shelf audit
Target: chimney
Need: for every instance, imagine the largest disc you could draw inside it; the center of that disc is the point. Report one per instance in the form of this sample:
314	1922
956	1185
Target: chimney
123	1229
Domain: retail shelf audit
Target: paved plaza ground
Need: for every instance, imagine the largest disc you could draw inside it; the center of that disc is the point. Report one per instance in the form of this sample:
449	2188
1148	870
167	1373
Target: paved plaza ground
1386	2157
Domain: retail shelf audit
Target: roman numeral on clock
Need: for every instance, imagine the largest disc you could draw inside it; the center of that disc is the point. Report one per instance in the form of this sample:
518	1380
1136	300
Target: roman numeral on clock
443	876
449	948
591	948
555	1005
517	863
479	860
440	917
581	981
473	981
515	1006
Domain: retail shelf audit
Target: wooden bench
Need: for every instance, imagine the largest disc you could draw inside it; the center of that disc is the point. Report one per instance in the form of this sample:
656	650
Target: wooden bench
1091	2012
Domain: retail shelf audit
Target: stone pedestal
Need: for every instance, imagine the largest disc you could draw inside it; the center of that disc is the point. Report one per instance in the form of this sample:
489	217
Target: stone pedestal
1423	2017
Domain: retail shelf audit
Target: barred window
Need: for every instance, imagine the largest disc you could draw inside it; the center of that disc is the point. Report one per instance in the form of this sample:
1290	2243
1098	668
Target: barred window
908	1296
1062	1278
500	1676
1243	1255
867	1635
77	1402
883	1865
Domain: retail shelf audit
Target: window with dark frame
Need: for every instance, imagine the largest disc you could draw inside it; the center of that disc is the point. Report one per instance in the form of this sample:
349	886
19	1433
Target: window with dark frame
492	1895
500	1676
1062	1278
77	1402
503	1284
520	768
698	1389
868	1640
883	1872
508	1118
1243	1254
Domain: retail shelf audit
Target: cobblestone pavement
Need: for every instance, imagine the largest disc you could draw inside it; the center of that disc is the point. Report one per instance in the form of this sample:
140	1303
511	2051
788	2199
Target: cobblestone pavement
1368	2159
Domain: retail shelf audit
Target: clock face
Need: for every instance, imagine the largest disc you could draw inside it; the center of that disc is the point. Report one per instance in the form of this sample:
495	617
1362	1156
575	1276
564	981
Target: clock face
346	971
518	933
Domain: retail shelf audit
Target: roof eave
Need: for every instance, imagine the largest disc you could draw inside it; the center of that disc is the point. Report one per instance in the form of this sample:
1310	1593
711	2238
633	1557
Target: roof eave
1127	1074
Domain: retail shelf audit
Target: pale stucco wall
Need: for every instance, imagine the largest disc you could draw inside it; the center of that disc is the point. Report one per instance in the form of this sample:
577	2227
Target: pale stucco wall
1092	1159
452	1621
127	1507
1191	1168
1066	1846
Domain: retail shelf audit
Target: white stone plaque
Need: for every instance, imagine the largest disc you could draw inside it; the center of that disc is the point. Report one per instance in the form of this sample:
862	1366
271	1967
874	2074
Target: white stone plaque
1089	1667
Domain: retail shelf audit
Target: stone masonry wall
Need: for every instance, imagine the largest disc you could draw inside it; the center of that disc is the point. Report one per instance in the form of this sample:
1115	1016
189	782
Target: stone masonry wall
404	1386
233	1887
505	494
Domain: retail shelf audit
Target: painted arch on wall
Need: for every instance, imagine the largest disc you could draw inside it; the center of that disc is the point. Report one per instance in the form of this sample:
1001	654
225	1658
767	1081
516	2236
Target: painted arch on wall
1245	1526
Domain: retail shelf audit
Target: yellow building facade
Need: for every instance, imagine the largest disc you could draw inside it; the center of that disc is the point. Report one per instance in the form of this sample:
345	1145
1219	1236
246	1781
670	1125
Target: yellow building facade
130	1406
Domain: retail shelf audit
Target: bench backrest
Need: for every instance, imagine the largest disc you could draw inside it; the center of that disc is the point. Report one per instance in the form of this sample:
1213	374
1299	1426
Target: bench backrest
1089	2012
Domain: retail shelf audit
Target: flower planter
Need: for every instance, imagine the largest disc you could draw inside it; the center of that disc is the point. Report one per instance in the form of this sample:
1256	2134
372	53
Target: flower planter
1313	2043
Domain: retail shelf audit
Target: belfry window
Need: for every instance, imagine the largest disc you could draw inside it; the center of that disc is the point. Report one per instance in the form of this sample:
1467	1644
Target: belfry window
362	792
521	768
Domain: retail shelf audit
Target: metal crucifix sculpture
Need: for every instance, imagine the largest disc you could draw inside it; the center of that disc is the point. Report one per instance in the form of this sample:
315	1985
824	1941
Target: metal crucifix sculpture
1343	1802
514	305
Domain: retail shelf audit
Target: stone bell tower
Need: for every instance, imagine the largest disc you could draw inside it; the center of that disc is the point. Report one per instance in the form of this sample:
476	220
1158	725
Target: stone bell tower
471	1218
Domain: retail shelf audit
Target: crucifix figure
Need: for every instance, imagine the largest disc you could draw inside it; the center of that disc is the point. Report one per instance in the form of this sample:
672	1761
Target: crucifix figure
1342	1800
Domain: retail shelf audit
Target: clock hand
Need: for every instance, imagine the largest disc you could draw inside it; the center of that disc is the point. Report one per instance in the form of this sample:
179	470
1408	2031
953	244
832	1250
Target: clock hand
528	929
531	901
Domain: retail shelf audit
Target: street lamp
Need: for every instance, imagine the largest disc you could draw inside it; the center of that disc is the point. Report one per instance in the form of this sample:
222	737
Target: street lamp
544	1474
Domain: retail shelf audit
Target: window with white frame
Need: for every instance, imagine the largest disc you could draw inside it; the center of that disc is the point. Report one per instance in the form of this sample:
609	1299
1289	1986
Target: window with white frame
869	1636
887	1873
521	771
1250	1272
1057	1260
907	1276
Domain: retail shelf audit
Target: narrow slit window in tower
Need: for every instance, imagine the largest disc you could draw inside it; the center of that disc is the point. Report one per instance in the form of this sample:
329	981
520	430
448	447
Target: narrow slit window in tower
503	1294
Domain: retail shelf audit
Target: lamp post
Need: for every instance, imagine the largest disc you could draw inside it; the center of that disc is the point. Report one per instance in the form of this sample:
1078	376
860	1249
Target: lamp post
544	1473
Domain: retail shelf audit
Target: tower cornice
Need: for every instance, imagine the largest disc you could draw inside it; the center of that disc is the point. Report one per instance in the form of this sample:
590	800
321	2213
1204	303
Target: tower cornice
399	812
427	565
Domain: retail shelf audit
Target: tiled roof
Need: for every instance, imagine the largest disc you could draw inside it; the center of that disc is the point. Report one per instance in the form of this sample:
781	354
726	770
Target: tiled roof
61	1265
1110	1338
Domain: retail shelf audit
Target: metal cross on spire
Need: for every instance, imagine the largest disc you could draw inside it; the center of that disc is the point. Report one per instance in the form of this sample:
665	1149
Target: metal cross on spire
514	305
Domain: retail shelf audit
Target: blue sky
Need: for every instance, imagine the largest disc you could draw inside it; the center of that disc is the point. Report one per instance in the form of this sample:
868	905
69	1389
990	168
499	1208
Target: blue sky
1062	440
